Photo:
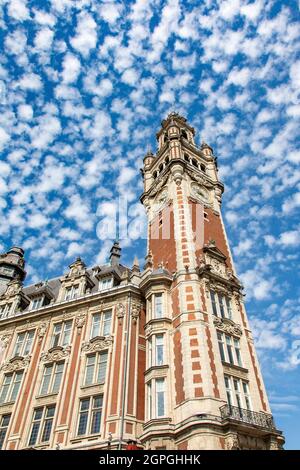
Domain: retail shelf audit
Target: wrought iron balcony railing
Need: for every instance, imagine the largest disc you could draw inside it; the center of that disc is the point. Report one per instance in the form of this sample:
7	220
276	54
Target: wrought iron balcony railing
263	420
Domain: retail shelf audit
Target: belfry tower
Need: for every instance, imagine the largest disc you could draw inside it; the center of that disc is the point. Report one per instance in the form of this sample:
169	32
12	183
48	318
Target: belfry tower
204	388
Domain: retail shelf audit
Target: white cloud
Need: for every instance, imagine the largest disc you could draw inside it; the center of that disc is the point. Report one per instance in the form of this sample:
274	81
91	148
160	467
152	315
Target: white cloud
239	76
43	39
31	81
45	131
130	76
295	74
15	42
86	34
290	238
25	112
71	68
18	10
110	12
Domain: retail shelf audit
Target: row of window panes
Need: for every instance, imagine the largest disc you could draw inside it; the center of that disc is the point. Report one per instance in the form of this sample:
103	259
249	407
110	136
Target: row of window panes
95	372
229	348
156	398
72	292
156	306
5	310
4	423
237	392
221	305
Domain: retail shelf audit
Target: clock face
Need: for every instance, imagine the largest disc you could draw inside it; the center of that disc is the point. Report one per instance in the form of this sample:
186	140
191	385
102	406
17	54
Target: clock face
199	193
161	199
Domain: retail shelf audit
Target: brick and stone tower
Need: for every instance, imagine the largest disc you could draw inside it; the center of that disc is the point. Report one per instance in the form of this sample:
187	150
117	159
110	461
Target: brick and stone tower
204	389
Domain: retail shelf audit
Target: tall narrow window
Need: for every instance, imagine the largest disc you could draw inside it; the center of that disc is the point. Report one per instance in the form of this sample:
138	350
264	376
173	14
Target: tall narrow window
61	334
150	351
4	423
237	391
229	349
213	302
160	397
237	352
52	378
158	307
149	397
105	283
221	347
96	325
41	425
24	343
228	390
228	305
5	310
221	305
10	387
90	413
247	396
159	350
106	323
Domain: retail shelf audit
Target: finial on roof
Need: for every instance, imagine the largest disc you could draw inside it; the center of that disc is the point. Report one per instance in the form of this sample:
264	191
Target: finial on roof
136	264
115	253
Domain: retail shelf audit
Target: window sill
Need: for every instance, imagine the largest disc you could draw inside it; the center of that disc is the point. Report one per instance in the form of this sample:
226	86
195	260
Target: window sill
235	367
7	403
47	395
152	368
157	320
84	387
89	437
157	421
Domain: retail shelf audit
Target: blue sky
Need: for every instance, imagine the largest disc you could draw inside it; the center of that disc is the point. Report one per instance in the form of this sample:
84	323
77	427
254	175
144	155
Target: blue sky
84	85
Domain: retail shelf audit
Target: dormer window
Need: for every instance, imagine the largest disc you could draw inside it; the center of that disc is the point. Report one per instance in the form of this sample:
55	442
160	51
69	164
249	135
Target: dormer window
5	310
105	283
184	134
36	303
72	292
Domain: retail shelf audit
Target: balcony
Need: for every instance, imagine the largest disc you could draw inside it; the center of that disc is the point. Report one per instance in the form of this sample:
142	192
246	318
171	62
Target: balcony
263	420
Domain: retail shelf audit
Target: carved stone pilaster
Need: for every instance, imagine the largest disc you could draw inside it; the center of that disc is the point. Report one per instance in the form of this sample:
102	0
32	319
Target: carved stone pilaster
5	339
232	442
135	312
80	321
42	329
120	311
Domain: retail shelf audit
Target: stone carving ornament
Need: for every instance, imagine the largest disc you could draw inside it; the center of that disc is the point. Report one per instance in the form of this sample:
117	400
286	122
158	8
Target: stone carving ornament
228	327
5	339
17	363
135	312
120	308
97	345
80	320
42	329
56	354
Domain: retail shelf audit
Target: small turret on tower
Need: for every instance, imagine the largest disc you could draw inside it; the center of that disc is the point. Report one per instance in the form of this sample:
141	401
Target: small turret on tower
115	254
12	266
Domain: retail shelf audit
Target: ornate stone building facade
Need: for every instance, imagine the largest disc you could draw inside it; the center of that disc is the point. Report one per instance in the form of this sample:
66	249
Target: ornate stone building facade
163	356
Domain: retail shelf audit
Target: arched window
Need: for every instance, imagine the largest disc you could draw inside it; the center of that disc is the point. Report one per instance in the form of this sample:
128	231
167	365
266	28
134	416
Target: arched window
165	138
194	162
160	168
184	134
167	160
155	174
203	168
187	158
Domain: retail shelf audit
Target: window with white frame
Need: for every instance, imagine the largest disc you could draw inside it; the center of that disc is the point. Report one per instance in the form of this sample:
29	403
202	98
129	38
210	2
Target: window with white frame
237	392
156	397
41	426
4	423
95	369
72	292
5	310
105	283
10	387
158	306
52	376
90	414
24	343
37	302
61	334
229	348
101	324
221	305
156	350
